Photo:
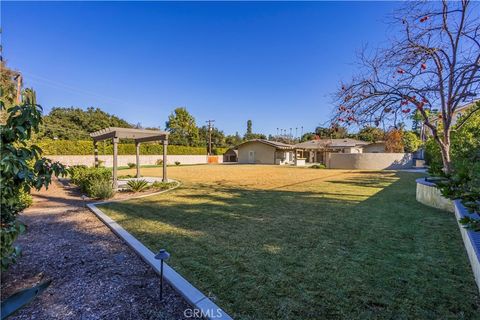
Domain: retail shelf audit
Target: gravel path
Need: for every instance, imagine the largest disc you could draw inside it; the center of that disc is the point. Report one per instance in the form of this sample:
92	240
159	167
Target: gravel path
95	275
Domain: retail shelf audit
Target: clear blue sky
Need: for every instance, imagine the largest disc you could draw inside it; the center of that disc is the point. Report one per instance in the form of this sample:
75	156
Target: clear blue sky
274	63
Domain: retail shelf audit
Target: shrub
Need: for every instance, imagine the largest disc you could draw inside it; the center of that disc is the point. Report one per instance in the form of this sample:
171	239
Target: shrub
433	158
22	167
163	185
131	165
159	162
318	166
137	185
411	141
177	163
100	189
86	178
464	181
85	147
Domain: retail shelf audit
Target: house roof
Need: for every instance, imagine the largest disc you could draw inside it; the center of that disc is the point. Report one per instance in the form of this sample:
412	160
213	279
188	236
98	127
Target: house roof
330	143
139	135
276	144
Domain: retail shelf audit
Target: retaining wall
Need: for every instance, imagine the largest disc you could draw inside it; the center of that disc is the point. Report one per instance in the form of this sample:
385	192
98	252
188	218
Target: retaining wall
471	240
429	195
123	160
369	161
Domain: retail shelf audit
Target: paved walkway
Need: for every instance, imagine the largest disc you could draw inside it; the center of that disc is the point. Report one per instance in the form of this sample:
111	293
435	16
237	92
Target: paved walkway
95	275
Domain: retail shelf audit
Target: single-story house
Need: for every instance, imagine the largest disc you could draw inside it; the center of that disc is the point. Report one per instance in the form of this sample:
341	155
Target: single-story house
231	155
265	152
316	151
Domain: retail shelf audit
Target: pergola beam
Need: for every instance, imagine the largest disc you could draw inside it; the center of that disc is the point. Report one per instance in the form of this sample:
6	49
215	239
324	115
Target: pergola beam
139	136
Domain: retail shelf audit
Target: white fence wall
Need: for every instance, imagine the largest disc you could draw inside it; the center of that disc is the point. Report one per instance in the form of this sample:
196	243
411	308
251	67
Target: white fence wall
369	161
123	160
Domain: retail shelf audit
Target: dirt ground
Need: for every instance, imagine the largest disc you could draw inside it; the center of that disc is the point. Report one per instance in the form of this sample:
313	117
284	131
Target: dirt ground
95	275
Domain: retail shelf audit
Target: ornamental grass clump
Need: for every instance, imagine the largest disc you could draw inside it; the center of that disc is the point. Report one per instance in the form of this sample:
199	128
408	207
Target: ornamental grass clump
137	185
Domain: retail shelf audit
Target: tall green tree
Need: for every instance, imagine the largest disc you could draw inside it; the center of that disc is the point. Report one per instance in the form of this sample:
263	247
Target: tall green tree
371	134
338	132
249	135
249	127
22	168
8	90
233	140
182	127
218	137
76	123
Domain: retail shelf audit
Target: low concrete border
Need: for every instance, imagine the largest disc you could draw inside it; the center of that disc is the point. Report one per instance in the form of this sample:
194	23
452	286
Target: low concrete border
428	194
471	240
195	297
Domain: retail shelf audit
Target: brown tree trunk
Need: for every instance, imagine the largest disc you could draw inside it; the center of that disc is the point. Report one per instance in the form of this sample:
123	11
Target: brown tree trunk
447	164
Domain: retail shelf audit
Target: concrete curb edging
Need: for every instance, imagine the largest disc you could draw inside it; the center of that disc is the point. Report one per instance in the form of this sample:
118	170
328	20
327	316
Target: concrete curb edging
208	309
471	240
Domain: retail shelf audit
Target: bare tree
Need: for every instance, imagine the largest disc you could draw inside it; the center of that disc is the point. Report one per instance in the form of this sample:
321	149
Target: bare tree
433	64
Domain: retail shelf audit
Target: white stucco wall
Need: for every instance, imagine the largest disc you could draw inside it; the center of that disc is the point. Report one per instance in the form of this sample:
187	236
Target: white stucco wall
123	160
264	154
369	161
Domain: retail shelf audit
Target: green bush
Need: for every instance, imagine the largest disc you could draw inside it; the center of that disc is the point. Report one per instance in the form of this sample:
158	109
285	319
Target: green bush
131	165
159	185
318	166
88	178
464	181
85	147
177	163
433	158
411	141
100	189
137	185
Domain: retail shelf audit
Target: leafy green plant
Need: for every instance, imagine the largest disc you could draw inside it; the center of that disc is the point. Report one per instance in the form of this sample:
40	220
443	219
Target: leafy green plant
137	185
131	165
463	182
100	189
411	141
88	178
22	168
159	185
85	147
177	163
318	166
21	298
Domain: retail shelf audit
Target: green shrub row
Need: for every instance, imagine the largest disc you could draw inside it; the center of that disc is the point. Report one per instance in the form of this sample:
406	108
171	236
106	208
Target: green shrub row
85	147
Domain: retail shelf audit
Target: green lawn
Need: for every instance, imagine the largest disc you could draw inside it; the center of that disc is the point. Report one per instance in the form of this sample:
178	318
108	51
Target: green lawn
269	242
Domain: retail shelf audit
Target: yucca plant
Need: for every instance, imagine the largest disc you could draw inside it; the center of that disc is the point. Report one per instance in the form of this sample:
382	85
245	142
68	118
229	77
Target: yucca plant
137	185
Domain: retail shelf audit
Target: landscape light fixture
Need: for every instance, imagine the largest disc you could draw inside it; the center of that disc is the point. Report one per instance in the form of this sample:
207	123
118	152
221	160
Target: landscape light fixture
162	255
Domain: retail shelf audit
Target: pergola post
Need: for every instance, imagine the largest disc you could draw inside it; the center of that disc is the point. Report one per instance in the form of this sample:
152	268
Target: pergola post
137	150
115	162
95	152
165	144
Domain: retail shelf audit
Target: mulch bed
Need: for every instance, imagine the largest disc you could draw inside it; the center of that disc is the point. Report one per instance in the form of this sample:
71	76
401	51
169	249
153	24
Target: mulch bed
95	275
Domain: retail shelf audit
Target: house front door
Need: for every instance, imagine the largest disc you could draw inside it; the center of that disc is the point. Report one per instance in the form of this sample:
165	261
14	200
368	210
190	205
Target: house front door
251	156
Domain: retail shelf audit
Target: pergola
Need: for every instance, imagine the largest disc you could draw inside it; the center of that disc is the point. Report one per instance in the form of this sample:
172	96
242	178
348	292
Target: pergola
139	136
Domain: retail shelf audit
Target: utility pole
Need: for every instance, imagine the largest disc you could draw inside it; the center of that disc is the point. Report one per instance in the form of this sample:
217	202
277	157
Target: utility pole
18	77
210	127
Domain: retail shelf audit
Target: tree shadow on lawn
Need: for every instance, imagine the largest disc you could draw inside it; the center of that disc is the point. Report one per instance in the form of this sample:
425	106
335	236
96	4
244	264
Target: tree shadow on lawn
375	253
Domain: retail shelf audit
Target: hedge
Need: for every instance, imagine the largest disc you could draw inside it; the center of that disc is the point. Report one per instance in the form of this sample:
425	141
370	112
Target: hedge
85	147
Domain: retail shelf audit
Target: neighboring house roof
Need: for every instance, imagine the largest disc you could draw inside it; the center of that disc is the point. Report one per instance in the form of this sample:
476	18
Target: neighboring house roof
330	143
276	144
